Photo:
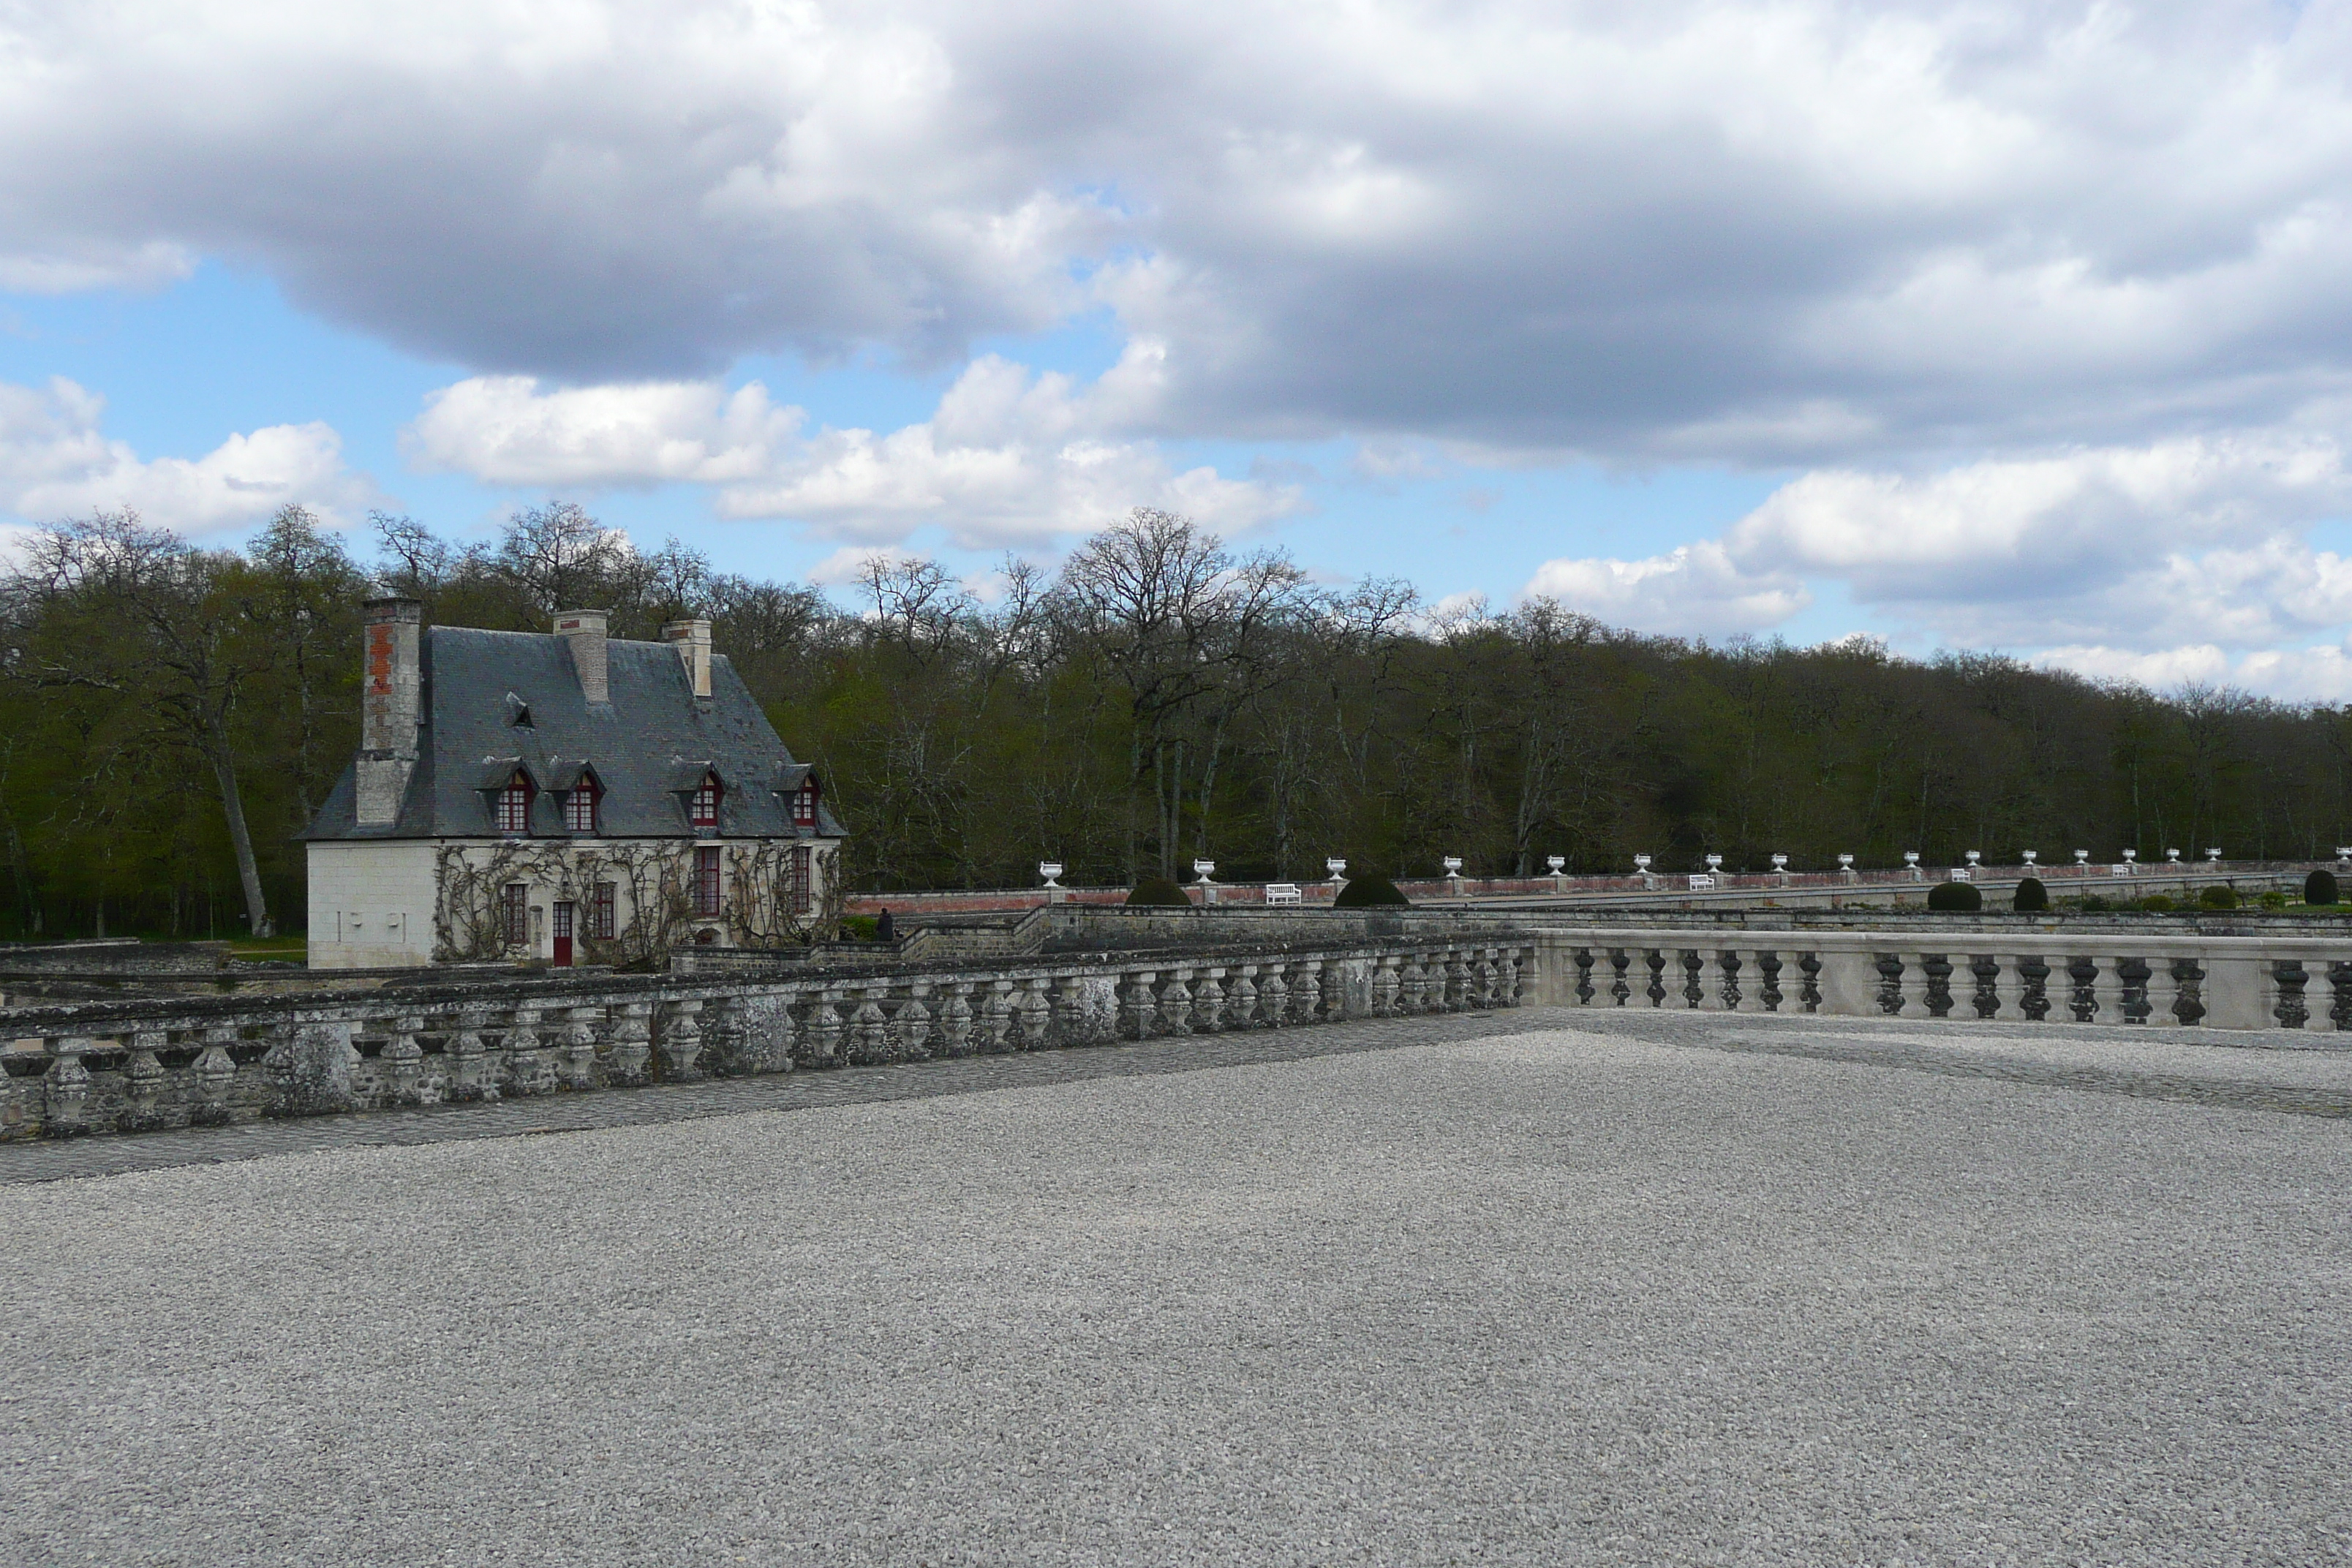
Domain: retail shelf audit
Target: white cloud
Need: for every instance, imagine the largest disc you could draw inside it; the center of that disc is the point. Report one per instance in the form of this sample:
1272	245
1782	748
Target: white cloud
1695	590
56	461
1797	231
2049	527
2322	673
1008	457
505	430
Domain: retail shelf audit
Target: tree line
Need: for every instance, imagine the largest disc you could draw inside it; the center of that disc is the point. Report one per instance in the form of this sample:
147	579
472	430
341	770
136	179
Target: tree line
171	717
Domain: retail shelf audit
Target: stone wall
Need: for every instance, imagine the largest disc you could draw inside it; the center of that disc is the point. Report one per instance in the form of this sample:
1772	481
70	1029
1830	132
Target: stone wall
174	1062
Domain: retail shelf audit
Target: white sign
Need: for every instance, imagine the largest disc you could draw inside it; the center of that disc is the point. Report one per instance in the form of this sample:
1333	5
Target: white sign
1282	893
1961	874
2121	869
1701	880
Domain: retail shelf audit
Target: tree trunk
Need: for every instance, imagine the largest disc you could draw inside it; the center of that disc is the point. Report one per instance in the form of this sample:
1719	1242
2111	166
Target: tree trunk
256	908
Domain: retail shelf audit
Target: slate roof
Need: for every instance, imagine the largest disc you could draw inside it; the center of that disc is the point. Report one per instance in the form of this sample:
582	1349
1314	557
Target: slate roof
648	747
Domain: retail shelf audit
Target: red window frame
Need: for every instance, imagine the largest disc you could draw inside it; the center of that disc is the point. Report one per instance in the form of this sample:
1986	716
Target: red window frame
703	810
514	805
600	922
580	807
706	880
804	879
804	804
515	897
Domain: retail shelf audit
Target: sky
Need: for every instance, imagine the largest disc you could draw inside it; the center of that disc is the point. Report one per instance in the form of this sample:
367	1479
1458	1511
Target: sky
2006	326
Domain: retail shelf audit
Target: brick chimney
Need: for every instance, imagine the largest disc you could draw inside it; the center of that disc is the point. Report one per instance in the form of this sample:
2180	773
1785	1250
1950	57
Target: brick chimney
390	684
692	640
584	630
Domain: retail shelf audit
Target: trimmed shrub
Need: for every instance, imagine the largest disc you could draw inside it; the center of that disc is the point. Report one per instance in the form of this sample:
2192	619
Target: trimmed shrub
1158	893
2031	897
2219	897
860	927
1957	898
1369	891
2319	888
2273	900
2158	904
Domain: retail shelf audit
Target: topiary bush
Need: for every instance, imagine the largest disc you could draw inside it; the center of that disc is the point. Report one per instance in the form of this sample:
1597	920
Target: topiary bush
1369	891
1957	898
2032	898
2219	897
2319	888
2158	904
2273	900
1157	892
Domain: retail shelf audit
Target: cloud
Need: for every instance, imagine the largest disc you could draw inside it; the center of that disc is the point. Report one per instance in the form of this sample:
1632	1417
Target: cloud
1008	457
2322	673
56	461
1797	232
1695	590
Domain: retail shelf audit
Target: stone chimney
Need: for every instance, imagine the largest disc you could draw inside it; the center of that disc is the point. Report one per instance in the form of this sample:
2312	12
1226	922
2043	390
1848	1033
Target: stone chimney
584	630
692	640
391	686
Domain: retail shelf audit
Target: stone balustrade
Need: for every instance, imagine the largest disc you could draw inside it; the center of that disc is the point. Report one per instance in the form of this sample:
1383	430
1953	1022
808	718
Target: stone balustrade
2047	976
134	1065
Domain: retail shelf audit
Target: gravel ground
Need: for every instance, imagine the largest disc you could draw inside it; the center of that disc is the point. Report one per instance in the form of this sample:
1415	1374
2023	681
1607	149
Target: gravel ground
1557	1296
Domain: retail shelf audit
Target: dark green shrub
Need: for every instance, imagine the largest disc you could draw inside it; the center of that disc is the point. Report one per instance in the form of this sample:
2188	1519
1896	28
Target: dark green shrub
2031	897
2219	897
2273	899
2158	904
2319	888
1957	898
1157	892
859	928
1369	891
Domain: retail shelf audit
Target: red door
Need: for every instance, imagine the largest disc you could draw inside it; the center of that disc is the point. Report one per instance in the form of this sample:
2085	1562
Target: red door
563	936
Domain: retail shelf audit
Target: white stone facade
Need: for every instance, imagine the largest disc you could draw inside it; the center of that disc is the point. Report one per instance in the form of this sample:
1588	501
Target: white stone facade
420	901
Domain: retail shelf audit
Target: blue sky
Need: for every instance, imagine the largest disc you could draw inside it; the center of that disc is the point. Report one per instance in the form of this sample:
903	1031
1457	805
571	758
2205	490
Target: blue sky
2016	327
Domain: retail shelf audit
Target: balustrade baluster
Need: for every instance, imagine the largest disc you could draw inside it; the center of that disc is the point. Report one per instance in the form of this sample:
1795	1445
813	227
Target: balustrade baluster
2288	979
911	1026
1241	998
1691	968
995	1017
726	1042
142	1082
1273	997
1728	965
1176	1003
2107	990
1036	1011
401	1061
2163	993
1335	991
471	1074
1306	992
215	1071
64	1087
955	1021
1769	966
822	1030
1208	1002
633	1042
528	1071
869	1031
681	1040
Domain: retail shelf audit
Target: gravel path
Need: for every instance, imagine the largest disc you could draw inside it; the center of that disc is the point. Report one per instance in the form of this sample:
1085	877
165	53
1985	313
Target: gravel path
1728	1290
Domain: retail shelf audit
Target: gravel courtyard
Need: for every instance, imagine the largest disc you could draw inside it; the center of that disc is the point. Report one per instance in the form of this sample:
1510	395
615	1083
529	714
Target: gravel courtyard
1641	1291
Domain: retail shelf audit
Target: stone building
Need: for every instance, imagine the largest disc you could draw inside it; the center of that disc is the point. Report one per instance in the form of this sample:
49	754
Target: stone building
565	796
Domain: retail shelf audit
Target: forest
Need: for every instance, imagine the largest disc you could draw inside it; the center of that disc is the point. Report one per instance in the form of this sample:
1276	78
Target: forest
171	717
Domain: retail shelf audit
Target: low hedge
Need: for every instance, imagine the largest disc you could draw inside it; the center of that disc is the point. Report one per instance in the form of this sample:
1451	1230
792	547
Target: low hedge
1157	892
1955	898
1368	890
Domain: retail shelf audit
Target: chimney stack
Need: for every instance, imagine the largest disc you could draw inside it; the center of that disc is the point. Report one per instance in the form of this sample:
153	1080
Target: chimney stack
692	640
584	630
391	686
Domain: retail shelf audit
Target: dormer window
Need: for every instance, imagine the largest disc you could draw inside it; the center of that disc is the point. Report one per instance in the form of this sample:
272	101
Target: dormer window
580	805
702	810
804	804
514	805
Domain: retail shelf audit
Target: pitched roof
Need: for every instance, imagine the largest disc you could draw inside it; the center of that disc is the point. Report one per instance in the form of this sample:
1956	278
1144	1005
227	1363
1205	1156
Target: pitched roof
649	747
